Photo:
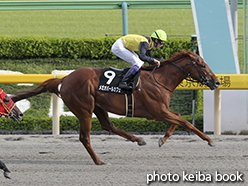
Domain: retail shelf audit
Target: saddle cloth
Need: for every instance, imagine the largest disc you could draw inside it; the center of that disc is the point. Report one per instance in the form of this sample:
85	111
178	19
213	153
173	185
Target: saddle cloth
110	78
109	82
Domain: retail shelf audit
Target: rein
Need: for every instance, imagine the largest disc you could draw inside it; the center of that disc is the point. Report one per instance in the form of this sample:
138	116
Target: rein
161	84
148	77
154	79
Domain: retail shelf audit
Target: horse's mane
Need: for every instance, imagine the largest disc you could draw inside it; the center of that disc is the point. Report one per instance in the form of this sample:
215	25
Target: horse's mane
176	56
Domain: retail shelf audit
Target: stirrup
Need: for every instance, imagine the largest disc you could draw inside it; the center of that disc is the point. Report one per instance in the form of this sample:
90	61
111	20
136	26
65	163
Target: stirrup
124	85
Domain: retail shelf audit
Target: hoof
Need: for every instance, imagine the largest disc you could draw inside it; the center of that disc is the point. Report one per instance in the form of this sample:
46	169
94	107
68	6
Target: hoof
100	163
211	144
160	142
142	143
7	175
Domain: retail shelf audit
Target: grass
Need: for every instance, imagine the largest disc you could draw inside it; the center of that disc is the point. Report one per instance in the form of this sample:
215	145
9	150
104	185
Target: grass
96	23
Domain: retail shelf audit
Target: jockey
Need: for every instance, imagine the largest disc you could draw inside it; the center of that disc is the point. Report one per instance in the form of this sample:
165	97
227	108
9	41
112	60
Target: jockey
125	46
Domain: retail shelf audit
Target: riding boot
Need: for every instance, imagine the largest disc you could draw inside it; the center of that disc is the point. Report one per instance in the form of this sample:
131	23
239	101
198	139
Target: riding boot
128	76
124	82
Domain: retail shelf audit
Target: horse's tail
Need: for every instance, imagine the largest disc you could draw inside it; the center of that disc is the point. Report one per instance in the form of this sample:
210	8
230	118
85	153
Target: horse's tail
50	86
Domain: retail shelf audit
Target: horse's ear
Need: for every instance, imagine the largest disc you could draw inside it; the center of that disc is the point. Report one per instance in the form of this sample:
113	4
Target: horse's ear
191	54
187	52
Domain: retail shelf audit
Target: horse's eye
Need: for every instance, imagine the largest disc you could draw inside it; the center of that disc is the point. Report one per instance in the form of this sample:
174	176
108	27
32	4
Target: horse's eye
6	100
203	66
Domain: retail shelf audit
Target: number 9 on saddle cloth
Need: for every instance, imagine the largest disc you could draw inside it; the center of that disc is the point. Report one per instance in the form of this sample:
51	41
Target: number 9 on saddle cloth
111	77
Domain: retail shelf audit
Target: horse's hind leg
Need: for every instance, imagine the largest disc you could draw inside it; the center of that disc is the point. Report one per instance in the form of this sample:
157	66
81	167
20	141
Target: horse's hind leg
84	116
84	137
106	124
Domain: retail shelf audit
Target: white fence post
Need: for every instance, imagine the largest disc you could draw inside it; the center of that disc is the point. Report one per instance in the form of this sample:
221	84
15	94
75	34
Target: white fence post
55	115
217	112
55	105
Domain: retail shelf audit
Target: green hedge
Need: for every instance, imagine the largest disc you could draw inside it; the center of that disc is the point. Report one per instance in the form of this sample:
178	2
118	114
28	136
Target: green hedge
90	48
30	123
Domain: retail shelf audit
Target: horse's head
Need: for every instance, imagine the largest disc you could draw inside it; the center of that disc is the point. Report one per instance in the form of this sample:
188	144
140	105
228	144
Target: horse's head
198	70
8	107
202	73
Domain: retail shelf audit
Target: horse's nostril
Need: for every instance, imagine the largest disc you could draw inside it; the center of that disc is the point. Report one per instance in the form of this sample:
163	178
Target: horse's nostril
217	83
21	115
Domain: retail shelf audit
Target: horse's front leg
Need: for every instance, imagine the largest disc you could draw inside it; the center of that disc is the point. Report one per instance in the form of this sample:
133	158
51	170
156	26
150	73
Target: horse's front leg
107	125
175	119
168	133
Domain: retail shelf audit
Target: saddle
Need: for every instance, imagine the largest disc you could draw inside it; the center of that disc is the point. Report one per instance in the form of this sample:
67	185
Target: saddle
111	77
109	82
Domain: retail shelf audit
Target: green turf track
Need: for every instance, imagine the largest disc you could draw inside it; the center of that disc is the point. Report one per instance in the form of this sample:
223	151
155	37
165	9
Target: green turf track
95	23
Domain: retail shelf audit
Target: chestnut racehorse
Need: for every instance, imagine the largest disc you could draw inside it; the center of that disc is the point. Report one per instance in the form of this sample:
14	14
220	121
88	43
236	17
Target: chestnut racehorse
79	91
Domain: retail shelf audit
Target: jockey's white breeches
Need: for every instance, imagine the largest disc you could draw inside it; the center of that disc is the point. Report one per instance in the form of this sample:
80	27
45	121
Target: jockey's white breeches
129	56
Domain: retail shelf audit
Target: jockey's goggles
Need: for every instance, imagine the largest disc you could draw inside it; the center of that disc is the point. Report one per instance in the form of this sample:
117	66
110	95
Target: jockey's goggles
161	42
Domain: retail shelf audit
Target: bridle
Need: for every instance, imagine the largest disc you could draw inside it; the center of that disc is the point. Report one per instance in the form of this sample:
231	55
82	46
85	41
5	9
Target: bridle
203	80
